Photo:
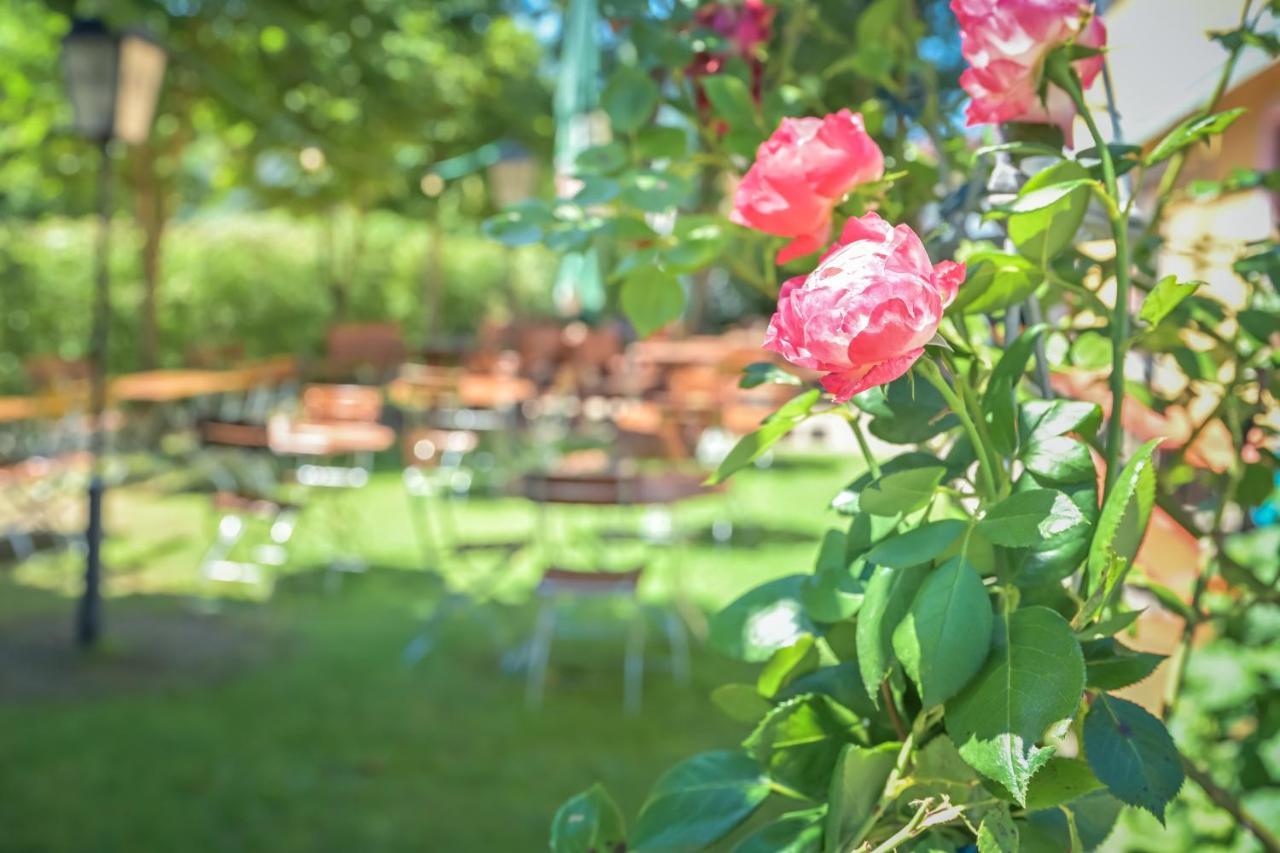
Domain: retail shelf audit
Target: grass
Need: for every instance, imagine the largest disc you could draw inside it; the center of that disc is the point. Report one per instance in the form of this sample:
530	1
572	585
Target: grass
292	723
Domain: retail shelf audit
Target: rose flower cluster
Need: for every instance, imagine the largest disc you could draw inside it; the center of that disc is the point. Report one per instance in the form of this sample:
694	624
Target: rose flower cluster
863	316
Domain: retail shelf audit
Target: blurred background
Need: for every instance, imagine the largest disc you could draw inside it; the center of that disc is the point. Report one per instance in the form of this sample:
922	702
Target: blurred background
405	535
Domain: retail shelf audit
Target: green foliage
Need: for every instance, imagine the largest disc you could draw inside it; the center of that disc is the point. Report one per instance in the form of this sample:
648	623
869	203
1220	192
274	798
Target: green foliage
890	593
1033	679
1132	754
919	685
856	785
587	822
798	742
652	298
755	444
1193	130
698	801
767	618
253	282
944	638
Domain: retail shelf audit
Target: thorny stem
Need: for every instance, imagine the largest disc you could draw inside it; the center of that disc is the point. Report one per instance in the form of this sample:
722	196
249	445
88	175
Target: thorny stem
1226	801
1183	652
933	376
1066	77
854	424
886	695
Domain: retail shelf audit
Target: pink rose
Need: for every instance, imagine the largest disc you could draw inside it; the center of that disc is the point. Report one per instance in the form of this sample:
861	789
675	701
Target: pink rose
864	315
1006	42
800	174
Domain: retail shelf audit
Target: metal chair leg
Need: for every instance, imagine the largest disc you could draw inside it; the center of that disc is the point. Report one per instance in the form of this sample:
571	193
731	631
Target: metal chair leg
633	665
540	653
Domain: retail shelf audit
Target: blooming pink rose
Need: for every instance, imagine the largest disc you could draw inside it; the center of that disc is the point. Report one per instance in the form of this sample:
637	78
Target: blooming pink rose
800	174
864	315
1006	42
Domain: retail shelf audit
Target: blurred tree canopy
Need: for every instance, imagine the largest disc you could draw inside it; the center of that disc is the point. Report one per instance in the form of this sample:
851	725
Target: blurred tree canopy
312	106
381	89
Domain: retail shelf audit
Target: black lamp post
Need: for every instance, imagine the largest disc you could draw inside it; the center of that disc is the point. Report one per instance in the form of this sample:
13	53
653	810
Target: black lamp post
113	81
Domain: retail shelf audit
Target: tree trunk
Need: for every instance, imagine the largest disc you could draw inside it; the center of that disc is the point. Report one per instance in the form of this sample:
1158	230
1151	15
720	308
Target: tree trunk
149	191
433	284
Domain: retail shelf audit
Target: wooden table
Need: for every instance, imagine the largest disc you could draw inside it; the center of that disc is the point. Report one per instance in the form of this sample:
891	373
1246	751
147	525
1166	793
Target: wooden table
19	409
171	386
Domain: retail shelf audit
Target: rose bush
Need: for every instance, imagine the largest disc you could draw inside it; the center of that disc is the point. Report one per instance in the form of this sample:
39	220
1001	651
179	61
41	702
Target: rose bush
946	675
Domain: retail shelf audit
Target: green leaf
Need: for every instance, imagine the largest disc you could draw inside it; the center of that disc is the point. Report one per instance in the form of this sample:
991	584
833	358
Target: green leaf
797	832
652	298
888	598
587	823
1082	824
1060	461
906	412
699	242
856	786
763	372
902	491
917	546
1061	781
653	191
1164	297
944	638
1132	754
741	702
1049	418
1026	518
993	282
1110	665
762	621
520	224
601	159
1032	679
1125	513
1048	211
731	100
835	591
656	142
840	682
999	399
630	98
799	741
1052	559
596	190
1107	627
997	833
1190	131
699	801
753	445
786	664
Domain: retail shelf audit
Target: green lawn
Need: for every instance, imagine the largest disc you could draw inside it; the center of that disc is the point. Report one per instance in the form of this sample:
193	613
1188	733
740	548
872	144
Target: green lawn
292	723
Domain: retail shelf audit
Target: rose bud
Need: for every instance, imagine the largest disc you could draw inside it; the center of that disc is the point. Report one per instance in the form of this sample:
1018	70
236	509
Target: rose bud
864	315
800	174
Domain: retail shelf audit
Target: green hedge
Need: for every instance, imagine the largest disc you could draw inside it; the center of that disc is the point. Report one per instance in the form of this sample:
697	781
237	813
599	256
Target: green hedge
256	280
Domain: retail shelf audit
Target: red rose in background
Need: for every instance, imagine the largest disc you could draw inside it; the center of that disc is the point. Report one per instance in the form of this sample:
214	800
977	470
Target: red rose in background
864	315
747	26
1005	43
800	174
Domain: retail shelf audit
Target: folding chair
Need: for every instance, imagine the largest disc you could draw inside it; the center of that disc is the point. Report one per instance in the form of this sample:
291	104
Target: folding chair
562	585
